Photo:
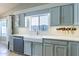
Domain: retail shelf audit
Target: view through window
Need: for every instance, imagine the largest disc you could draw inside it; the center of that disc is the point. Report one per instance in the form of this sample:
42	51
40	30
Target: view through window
3	27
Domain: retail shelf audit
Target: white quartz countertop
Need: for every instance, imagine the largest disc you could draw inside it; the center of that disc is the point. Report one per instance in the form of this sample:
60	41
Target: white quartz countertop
39	37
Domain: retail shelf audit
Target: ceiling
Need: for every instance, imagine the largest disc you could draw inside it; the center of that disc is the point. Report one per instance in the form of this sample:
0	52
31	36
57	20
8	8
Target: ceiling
6	7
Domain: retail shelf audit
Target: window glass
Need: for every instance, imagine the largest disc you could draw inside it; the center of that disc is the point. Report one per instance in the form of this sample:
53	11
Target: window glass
3	28
39	22
35	23
44	22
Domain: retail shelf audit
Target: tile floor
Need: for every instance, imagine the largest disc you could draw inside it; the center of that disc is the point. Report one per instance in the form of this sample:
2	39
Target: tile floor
5	52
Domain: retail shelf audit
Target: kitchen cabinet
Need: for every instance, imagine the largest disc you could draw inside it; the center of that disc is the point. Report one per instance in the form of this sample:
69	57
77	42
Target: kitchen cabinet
37	49
27	47
67	15
55	16
59	15
48	50
46	47
21	20
18	44
60	50
54	48
62	15
76	14
73	49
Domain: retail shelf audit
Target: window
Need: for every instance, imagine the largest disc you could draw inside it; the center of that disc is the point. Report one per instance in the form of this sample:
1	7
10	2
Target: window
3	29
39	22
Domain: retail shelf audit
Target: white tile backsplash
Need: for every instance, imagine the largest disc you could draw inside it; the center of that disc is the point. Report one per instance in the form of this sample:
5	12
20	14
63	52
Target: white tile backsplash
51	31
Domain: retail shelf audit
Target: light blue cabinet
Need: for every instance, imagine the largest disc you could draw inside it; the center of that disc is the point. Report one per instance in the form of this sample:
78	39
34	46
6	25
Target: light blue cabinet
60	50
36	49
27	47
48	50
76	14
62	15
67	15
54	48
55	16
21	20
73	49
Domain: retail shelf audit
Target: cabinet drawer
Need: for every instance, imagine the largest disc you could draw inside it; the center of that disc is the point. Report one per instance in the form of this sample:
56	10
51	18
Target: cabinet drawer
55	42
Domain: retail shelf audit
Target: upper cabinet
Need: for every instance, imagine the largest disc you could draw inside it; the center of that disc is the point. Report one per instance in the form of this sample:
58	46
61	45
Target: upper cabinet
76	14
55	16
21	20
67	16
62	15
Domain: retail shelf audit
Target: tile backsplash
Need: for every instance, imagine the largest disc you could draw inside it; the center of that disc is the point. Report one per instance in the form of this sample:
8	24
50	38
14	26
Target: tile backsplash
52	31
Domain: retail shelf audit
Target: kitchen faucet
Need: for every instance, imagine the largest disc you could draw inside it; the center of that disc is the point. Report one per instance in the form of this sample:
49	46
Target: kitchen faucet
37	32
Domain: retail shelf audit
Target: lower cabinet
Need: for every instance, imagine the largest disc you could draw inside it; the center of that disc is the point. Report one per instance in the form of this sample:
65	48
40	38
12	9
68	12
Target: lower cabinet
49	47
32	48
60	50
48	50
54	48
27	47
73	49
37	49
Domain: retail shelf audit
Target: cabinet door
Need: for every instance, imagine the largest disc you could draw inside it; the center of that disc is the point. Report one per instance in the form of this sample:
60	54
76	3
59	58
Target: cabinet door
48	50
60	50
73	49
67	15
76	14
21	20
37	49
27	47
55	16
